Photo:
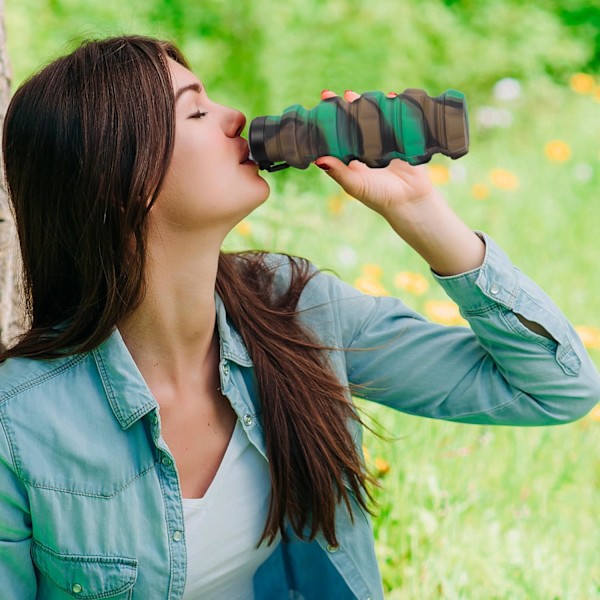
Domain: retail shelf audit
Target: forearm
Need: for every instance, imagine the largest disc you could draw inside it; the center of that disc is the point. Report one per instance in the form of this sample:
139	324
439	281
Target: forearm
434	230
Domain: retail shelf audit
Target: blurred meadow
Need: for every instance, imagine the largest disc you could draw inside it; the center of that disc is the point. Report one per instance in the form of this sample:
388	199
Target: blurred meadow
465	512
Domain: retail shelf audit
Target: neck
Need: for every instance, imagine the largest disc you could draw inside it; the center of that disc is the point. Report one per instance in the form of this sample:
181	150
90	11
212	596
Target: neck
172	333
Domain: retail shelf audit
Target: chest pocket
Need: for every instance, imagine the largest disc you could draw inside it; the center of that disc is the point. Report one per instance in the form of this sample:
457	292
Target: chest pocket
66	576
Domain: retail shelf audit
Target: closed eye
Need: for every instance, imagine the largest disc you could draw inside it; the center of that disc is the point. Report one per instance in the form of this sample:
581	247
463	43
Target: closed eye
198	115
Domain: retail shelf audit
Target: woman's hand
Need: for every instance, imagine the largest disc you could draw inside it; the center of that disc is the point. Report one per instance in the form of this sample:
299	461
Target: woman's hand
418	213
385	189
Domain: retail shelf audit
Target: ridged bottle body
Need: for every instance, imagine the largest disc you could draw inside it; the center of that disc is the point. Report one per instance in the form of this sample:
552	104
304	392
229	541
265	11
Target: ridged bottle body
373	129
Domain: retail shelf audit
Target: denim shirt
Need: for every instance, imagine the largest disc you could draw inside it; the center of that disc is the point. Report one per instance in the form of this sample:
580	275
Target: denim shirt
90	501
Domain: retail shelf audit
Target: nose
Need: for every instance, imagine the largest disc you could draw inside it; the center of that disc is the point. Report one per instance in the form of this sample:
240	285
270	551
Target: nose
236	122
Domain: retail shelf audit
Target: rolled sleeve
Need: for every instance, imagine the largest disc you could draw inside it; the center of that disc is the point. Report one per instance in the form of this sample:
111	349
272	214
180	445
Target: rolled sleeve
500	287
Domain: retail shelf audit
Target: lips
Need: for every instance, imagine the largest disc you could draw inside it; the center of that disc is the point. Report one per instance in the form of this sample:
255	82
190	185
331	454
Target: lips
245	153
245	157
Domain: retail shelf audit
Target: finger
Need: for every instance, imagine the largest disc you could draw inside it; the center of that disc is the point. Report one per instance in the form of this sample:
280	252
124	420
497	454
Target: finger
350	96
348	176
327	94
391	95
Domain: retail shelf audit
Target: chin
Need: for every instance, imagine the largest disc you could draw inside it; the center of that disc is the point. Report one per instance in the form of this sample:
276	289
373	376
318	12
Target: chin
265	190
251	203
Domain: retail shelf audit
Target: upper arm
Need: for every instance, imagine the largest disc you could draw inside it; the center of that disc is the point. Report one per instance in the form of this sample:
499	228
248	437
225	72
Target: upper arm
408	363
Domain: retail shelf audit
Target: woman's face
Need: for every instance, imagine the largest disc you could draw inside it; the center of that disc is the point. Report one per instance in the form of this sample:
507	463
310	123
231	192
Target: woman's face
209	184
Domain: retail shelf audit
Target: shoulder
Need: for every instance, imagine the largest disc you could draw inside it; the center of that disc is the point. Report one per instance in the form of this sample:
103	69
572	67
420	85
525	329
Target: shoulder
28	384
18	374
285	270
335	310
45	405
327	304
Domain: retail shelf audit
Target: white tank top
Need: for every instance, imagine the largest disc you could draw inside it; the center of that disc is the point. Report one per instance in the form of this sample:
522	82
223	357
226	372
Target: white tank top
223	527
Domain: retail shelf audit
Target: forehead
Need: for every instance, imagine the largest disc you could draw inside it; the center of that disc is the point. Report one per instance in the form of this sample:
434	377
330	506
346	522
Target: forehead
180	76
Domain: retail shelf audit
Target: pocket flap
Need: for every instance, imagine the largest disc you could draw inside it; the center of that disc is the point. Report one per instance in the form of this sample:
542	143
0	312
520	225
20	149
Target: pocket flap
85	576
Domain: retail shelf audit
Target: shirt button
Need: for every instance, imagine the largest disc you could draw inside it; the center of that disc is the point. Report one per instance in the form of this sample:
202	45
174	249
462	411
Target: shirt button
77	589
226	368
166	461
177	536
248	420
494	289
332	548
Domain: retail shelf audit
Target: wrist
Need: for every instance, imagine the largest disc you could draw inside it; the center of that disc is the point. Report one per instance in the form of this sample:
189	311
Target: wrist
417	217
436	232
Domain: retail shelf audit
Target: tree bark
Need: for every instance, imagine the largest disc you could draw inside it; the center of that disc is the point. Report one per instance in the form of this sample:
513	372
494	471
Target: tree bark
11	302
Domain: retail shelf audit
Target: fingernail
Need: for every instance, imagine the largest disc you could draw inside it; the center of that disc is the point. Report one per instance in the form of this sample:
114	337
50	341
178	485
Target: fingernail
323	166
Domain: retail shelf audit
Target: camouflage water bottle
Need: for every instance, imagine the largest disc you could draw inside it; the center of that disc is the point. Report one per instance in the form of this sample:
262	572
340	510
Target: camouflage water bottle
373	129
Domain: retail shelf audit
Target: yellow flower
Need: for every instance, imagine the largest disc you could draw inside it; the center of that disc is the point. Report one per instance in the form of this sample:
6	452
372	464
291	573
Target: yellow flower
582	83
370	286
243	228
557	151
595	413
381	465
480	191
336	205
504	180
413	283
439	174
366	453
372	271
445	312
590	336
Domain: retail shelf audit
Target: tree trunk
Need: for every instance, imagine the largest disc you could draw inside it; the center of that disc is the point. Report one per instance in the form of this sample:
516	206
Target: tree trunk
11	303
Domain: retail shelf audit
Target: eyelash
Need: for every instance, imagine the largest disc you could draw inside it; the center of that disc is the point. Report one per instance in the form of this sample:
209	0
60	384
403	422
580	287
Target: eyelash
198	115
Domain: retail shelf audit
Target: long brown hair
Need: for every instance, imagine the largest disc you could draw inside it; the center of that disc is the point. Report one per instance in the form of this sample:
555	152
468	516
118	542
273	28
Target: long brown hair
87	141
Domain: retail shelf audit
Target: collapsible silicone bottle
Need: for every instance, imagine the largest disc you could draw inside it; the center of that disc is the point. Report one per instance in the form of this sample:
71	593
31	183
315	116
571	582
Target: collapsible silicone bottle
373	129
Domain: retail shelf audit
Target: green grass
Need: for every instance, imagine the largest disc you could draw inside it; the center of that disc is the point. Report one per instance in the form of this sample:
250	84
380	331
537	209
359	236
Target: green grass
483	512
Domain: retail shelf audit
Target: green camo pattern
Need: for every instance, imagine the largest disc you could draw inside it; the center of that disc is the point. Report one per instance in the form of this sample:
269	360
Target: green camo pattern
373	129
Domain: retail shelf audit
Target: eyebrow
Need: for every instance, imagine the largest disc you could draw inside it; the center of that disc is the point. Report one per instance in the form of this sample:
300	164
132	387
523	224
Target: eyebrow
193	87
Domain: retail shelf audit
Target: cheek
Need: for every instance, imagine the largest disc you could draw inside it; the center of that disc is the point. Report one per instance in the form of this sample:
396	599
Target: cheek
194	171
192	157
197	190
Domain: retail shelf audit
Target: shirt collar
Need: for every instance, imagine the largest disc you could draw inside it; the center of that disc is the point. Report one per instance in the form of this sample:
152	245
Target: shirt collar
232	345
127	392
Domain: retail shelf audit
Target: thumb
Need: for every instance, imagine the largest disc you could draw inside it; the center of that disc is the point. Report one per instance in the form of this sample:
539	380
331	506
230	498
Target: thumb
348	177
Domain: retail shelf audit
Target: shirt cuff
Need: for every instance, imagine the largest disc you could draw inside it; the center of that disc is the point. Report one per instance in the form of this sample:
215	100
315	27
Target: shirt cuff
495	282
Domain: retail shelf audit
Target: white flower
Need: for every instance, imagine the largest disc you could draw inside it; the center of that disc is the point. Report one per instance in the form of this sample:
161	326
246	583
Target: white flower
458	172
507	89
346	255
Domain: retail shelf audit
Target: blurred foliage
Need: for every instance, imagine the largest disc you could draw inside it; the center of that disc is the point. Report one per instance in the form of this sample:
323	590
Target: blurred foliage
271	54
456	519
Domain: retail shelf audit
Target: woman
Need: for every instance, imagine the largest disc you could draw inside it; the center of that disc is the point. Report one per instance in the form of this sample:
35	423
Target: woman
170	406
